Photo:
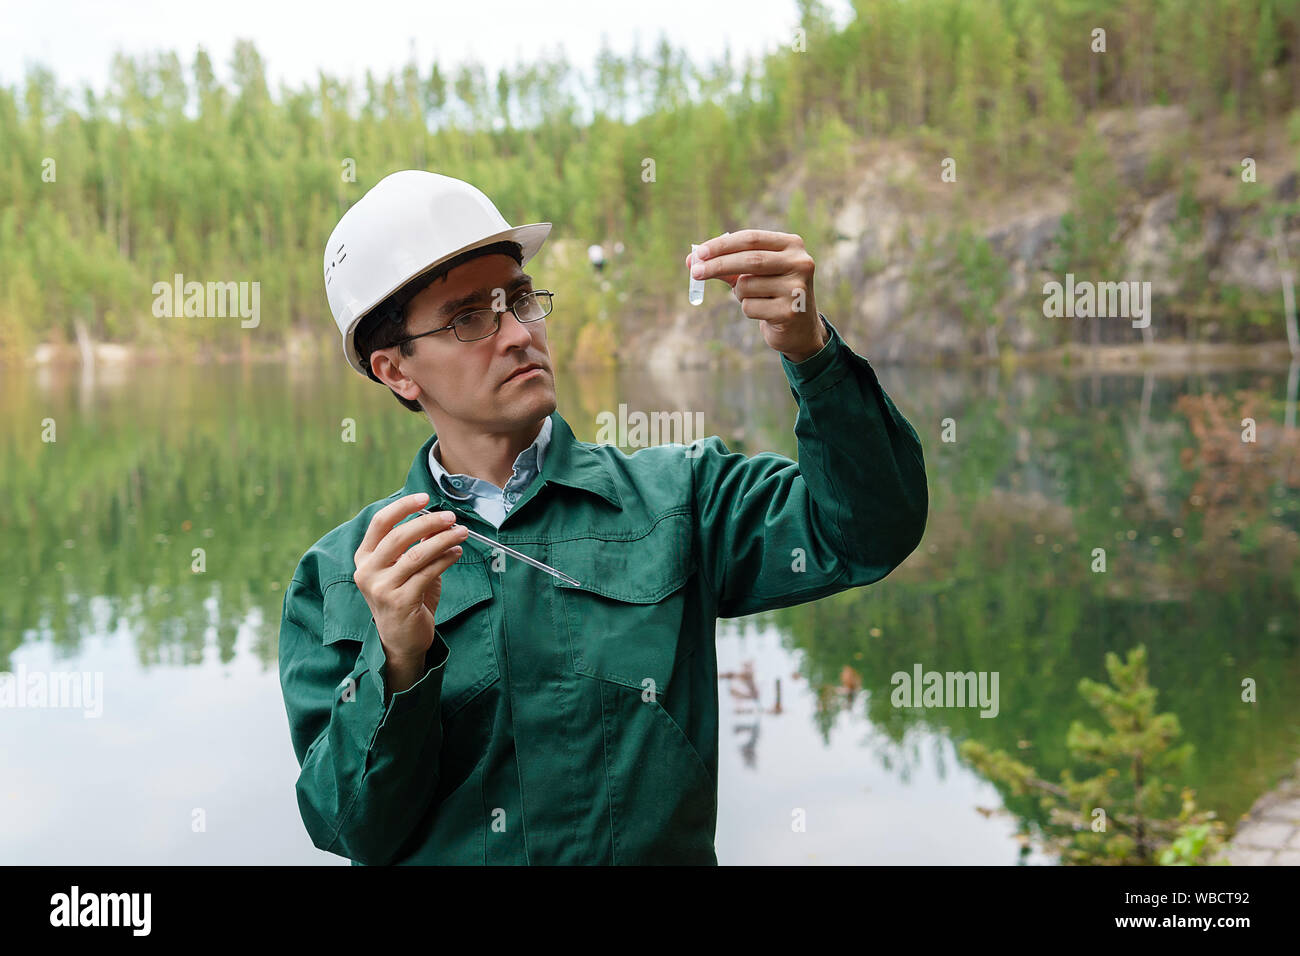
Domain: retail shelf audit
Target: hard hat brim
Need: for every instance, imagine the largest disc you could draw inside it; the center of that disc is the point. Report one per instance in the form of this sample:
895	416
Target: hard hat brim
529	237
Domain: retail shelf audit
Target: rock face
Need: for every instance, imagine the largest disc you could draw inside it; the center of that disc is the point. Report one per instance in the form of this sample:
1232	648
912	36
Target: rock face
882	212
1269	834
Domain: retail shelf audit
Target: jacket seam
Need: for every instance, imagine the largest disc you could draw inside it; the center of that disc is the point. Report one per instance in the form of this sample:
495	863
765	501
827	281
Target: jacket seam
305	585
839	375
795	596
617	536
689	744
702	562
634	535
838	495
609	795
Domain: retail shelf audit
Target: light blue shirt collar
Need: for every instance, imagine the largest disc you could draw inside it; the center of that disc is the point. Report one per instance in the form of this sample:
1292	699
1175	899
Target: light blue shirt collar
487	500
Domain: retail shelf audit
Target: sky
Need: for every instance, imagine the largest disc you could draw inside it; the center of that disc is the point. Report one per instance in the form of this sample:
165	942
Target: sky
77	38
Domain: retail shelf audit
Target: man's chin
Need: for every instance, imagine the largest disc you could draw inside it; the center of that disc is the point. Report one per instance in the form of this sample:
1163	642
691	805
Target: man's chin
548	404
533	408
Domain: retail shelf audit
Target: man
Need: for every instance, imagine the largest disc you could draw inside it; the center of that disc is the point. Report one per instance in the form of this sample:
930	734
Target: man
449	704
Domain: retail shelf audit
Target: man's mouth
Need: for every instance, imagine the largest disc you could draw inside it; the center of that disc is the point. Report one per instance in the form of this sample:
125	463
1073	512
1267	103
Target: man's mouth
523	372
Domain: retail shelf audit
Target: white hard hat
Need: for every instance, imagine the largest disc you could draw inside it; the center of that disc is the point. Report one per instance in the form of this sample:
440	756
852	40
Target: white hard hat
409	223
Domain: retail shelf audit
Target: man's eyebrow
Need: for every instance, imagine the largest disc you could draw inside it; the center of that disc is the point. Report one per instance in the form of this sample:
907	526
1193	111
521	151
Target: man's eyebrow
449	309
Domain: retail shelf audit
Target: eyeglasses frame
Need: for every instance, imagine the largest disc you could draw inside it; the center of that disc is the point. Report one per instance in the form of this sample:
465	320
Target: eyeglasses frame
451	326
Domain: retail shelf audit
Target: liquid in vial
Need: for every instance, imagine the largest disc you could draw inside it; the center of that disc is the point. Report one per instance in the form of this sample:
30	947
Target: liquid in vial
696	291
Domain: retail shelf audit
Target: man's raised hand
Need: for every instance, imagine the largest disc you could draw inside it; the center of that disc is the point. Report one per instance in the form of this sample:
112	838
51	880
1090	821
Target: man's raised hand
771	275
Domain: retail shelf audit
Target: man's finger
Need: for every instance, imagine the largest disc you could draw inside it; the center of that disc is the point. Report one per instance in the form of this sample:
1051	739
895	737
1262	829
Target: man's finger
757	287
764	309
748	262
422	578
414	559
729	279
387	517
398	541
742	240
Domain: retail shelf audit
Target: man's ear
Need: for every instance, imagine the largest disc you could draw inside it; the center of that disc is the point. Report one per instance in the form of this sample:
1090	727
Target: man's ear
384	364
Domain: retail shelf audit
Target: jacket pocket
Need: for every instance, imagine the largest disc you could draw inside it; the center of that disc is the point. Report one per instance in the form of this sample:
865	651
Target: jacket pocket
663	800
625	618
462	620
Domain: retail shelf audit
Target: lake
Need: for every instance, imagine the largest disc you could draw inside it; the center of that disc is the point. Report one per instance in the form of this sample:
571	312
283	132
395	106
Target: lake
185	757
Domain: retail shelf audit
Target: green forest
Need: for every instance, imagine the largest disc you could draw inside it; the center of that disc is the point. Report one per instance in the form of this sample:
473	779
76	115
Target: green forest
169	170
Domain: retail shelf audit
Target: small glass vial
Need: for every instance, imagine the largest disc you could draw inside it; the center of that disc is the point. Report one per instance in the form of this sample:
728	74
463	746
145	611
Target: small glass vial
696	291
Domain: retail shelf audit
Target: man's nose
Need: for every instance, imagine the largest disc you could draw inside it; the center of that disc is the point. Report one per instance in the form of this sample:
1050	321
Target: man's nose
513	332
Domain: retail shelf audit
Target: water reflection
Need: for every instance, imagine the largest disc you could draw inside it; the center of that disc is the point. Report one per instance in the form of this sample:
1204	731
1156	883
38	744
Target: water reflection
153	539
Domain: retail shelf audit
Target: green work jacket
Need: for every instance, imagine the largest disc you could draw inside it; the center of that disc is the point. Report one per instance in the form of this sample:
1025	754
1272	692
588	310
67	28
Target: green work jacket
558	724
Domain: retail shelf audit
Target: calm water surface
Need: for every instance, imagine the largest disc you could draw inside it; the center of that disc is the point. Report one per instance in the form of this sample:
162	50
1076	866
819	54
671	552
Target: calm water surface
248	464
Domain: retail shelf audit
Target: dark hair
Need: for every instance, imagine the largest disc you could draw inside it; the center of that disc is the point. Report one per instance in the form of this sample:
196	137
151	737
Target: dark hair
386	323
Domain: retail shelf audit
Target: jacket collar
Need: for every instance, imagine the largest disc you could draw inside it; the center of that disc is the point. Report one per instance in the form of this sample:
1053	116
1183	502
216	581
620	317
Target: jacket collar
568	462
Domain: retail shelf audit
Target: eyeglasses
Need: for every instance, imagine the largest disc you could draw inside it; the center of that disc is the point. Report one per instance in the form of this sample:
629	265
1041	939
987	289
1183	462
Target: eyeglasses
472	326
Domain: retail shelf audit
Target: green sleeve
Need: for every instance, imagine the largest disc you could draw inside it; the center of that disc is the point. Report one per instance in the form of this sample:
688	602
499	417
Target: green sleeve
369	770
774	532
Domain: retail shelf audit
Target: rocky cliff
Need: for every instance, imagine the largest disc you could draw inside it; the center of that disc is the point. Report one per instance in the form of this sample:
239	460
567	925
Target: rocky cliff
877	275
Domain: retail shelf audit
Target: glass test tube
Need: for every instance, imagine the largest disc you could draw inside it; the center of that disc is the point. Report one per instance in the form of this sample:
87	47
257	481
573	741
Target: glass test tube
696	291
